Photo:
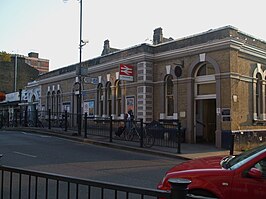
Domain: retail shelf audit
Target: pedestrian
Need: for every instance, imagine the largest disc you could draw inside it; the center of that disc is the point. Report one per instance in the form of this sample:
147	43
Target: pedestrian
130	118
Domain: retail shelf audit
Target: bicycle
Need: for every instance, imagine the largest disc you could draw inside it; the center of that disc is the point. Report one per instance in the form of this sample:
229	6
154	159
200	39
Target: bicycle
31	123
63	123
148	139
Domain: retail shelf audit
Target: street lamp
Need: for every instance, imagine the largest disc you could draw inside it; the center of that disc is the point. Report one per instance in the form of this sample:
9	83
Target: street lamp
78	72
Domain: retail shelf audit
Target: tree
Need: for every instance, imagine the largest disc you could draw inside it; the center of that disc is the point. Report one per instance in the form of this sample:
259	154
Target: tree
5	56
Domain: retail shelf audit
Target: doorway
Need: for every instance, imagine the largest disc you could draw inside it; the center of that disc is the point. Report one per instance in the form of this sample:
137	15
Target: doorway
205	121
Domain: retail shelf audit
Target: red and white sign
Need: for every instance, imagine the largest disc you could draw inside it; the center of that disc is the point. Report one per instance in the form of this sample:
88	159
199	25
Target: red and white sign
126	72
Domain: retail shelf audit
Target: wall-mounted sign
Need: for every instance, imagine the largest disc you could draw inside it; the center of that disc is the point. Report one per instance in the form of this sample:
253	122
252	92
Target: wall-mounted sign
126	72
226	111
91	80
226	114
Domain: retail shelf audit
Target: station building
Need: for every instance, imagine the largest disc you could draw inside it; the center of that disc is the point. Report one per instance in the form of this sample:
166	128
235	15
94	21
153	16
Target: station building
213	82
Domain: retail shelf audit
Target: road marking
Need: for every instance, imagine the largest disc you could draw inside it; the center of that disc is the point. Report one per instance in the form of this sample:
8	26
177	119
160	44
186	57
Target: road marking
25	154
43	136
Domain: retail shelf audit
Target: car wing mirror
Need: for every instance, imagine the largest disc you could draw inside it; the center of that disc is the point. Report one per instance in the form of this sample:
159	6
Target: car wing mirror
255	173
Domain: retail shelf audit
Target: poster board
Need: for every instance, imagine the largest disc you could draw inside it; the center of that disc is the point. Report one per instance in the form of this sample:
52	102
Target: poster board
89	107
130	103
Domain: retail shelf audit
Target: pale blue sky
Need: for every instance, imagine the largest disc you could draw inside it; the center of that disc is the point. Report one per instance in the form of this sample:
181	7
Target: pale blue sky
51	27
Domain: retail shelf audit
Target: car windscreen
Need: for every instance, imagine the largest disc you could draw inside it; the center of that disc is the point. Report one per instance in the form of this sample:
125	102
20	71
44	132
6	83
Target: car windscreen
244	157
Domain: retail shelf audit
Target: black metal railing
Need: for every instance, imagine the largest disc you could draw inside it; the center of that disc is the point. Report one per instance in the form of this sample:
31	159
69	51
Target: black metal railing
166	133
21	183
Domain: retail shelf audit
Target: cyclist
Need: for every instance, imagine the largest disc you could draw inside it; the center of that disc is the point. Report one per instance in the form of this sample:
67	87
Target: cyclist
127	124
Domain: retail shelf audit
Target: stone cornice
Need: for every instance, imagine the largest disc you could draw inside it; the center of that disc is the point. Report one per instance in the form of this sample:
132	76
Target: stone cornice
214	45
181	52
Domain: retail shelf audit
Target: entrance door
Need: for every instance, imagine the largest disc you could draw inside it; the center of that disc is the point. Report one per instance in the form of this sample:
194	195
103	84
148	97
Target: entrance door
205	120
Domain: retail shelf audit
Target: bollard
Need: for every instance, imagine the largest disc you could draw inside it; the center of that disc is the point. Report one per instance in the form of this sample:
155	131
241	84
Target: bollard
179	188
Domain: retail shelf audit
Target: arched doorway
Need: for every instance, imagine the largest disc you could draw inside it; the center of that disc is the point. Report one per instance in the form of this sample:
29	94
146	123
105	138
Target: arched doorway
204	103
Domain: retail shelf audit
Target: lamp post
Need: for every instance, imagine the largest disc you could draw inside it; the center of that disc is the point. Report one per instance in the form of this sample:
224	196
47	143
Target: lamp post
16	72
78	72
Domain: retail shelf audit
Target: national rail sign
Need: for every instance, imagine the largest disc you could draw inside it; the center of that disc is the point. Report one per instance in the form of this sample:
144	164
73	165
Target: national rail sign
126	72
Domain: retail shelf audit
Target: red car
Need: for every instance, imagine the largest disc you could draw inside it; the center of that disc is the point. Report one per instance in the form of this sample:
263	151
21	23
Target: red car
242	176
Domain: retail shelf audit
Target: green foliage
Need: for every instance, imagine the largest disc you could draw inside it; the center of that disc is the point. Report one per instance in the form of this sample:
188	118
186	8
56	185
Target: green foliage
5	56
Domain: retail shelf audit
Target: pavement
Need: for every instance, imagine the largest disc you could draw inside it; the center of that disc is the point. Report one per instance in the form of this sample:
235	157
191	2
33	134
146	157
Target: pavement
188	151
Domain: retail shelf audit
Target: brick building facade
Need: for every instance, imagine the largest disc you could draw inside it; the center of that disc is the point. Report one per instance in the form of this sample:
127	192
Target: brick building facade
213	82
34	61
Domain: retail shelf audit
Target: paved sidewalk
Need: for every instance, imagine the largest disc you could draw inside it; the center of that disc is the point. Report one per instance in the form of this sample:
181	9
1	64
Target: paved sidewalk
188	151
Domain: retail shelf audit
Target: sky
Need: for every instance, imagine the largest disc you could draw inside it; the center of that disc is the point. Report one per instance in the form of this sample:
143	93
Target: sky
51	27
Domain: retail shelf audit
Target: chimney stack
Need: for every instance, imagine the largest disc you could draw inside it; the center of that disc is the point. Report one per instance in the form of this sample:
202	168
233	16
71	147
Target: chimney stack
158	36
33	54
106	47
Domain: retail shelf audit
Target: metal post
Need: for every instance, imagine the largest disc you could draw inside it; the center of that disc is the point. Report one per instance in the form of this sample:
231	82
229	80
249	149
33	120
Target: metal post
20	109
36	118
26	117
49	118
111	129
16	72
232	144
79	71
1	121
16	117
178	137
179	188
65	120
85	125
141	132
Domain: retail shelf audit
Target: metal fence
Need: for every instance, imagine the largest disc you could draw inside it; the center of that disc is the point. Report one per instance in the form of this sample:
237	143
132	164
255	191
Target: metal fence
21	183
166	133
28	184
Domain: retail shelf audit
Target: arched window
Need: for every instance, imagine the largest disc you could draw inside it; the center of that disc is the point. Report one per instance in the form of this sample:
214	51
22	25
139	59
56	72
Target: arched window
169	98
100	99
205	81
118	97
108	98
206	69
259	99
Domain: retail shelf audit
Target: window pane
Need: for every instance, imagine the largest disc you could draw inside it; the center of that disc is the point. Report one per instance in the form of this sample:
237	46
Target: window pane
170	106
206	69
206	89
169	87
